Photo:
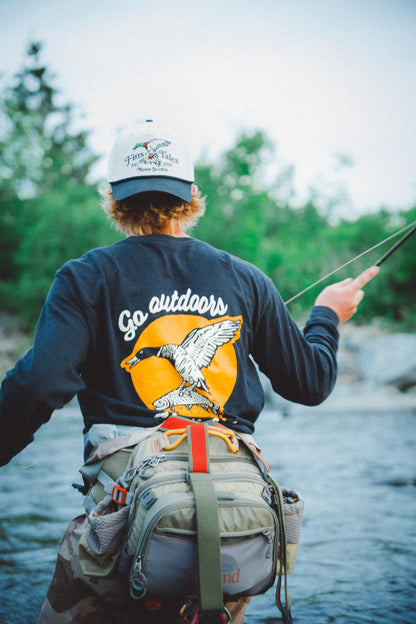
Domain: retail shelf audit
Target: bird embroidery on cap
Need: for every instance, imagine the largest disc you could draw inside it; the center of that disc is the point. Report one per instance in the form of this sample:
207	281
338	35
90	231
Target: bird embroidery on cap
151	148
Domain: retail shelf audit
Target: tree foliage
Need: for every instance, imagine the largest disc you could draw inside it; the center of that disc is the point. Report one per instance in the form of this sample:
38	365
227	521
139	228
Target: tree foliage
49	212
298	245
39	148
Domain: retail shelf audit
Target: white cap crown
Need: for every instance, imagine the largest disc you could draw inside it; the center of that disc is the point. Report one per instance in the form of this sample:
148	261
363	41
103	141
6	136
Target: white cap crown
150	157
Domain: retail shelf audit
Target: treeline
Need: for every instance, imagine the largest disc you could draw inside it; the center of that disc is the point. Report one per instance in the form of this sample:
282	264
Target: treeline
296	244
49	212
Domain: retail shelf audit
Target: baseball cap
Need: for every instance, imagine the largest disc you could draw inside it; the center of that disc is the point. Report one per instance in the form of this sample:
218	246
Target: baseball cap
150	156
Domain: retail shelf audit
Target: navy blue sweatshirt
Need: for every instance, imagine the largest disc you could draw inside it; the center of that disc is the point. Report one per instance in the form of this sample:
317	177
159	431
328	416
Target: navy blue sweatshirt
155	325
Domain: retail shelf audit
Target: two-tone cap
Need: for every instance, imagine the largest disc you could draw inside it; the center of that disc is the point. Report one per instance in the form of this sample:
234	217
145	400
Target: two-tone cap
150	156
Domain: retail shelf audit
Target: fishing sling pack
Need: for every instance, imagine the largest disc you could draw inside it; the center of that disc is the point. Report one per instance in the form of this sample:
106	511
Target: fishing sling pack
191	510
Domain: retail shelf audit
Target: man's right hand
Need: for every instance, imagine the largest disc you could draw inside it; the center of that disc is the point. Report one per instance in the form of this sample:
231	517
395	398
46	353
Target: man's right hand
344	297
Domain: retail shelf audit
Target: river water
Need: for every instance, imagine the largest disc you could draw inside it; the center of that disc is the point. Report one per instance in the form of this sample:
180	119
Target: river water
357	472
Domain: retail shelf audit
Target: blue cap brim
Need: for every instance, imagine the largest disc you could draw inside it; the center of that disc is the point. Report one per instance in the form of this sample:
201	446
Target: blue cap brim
135	186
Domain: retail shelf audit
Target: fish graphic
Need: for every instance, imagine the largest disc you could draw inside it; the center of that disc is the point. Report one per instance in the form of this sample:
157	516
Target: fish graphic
185	396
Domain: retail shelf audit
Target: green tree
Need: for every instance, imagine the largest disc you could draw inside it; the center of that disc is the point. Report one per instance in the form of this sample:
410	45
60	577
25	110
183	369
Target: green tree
39	149
242	210
69	225
298	245
255	219
48	211
392	296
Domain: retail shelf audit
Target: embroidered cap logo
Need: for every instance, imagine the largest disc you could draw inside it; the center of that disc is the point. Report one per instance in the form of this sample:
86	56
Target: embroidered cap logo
151	152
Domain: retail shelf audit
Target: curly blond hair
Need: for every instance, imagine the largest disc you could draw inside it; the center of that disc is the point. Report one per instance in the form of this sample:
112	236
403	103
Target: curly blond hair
152	212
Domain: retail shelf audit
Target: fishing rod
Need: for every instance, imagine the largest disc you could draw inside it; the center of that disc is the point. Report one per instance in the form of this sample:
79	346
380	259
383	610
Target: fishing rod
396	246
378	263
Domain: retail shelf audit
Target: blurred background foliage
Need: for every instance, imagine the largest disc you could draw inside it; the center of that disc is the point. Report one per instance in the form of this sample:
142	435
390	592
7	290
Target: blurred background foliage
50	211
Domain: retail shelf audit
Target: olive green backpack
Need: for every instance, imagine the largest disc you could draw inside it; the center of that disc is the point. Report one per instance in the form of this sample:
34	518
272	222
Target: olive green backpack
191	510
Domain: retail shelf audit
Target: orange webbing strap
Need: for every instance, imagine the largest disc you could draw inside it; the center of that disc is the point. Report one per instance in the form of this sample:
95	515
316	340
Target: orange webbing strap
208	533
227	435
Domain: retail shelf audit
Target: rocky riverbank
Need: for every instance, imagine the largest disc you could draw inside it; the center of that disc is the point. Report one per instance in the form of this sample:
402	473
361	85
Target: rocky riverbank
377	372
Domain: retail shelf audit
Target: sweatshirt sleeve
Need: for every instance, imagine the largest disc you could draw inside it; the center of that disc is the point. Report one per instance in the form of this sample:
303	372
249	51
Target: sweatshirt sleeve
301	366
50	374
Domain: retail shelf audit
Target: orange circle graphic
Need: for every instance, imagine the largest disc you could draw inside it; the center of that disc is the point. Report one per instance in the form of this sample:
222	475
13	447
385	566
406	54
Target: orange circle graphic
161	387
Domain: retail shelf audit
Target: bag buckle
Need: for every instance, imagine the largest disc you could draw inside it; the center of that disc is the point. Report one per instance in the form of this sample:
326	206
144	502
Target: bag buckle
189	613
119	494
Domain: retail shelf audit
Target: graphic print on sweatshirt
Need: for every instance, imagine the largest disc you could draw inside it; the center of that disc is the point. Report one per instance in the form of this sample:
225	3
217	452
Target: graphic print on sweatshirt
186	364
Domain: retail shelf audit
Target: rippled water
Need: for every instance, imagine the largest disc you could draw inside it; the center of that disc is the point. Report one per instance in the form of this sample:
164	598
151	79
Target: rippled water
357	472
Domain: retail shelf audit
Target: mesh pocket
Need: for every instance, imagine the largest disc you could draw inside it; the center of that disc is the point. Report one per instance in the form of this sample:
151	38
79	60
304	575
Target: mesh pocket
293	515
106	529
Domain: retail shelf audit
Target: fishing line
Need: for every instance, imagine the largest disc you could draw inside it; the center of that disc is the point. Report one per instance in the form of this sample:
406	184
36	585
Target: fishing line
382	259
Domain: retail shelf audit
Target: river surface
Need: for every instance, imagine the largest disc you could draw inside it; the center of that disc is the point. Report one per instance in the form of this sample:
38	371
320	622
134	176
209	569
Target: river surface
357	557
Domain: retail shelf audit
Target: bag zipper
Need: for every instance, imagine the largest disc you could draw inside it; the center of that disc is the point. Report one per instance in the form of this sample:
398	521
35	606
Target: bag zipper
183	478
138	495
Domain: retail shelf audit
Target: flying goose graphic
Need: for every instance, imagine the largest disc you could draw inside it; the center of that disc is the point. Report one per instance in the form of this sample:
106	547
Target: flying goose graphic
152	148
195	352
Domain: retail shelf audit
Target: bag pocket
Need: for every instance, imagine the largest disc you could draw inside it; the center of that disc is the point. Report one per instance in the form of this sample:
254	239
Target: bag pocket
248	557
100	545
293	506
246	563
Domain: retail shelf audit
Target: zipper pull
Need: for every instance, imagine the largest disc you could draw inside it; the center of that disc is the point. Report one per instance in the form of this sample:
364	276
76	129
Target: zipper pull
138	581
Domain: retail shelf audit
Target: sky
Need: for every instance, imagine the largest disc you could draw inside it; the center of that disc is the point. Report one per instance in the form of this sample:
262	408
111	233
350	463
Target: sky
325	79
